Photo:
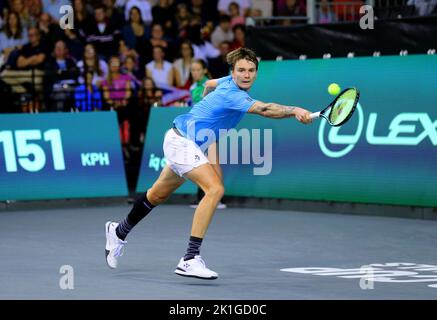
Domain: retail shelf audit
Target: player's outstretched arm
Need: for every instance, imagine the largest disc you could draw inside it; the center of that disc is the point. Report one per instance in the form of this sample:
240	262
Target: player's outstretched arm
278	111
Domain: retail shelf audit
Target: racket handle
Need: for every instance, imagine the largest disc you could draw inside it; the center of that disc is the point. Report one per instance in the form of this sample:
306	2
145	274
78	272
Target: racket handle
315	115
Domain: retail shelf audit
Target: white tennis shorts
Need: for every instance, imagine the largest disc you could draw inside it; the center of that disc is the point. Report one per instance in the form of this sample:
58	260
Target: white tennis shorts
183	155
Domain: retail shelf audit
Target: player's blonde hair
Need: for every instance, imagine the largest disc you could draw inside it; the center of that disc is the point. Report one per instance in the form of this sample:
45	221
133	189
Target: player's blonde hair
239	54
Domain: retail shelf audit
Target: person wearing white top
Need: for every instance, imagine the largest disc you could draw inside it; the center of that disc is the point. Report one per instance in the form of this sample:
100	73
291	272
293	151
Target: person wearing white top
183	64
223	32
160	70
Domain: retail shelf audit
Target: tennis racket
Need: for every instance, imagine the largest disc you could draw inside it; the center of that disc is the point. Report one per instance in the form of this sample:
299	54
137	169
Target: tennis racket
341	109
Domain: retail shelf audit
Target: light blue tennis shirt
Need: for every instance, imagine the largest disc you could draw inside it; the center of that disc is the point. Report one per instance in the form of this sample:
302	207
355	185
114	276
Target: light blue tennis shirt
216	113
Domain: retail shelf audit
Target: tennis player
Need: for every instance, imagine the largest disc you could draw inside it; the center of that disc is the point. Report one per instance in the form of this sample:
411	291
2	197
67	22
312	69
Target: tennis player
190	148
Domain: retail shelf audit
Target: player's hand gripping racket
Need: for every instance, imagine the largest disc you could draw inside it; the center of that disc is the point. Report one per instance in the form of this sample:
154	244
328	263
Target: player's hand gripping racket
341	109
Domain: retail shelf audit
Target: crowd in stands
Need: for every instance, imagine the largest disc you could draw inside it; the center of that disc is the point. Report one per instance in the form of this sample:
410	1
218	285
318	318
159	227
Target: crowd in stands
124	55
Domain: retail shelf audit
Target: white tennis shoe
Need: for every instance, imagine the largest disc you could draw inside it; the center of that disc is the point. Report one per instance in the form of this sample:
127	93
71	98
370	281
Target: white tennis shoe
195	268
114	245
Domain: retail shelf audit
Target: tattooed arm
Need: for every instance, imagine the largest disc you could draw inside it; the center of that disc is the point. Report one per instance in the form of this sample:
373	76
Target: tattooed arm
278	111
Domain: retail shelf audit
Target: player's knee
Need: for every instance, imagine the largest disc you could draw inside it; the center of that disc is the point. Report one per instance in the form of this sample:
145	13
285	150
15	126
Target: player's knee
216	191
156	197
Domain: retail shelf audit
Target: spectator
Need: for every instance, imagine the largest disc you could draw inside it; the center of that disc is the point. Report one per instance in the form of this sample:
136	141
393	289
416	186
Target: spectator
145	9
34	7
87	96
203	49
23	12
223	6
92	63
164	14
182	65
13	37
81	19
150	96
50	32
135	33
199	75
239	37
130	68
124	51
222	32
324	13
235	14
33	54
103	34
160	70
183	18
157	39
75	46
219	67
290	8
30	63
60	76
113	14
117	92
116	87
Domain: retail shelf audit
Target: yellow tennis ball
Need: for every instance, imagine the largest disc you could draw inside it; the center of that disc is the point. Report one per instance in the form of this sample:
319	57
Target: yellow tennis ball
334	89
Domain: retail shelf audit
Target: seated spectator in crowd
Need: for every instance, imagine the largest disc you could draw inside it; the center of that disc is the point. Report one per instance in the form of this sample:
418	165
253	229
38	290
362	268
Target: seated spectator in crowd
324	13
183	18
163	13
87	96
222	32
239	37
157	39
28	78
103	34
52	7
23	12
135	33
145	9
74	44
33	54
131	69
235	14
60	77
290	8
182	65
199	10
50	31
13	36
34	8
223	6
160	70
203	49
81	18
219	67
116	87
150	96
199	75
117	92
29	66
113	14
92	63
124	51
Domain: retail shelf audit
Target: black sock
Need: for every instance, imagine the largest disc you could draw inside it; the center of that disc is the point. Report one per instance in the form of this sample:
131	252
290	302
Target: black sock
141	208
193	248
